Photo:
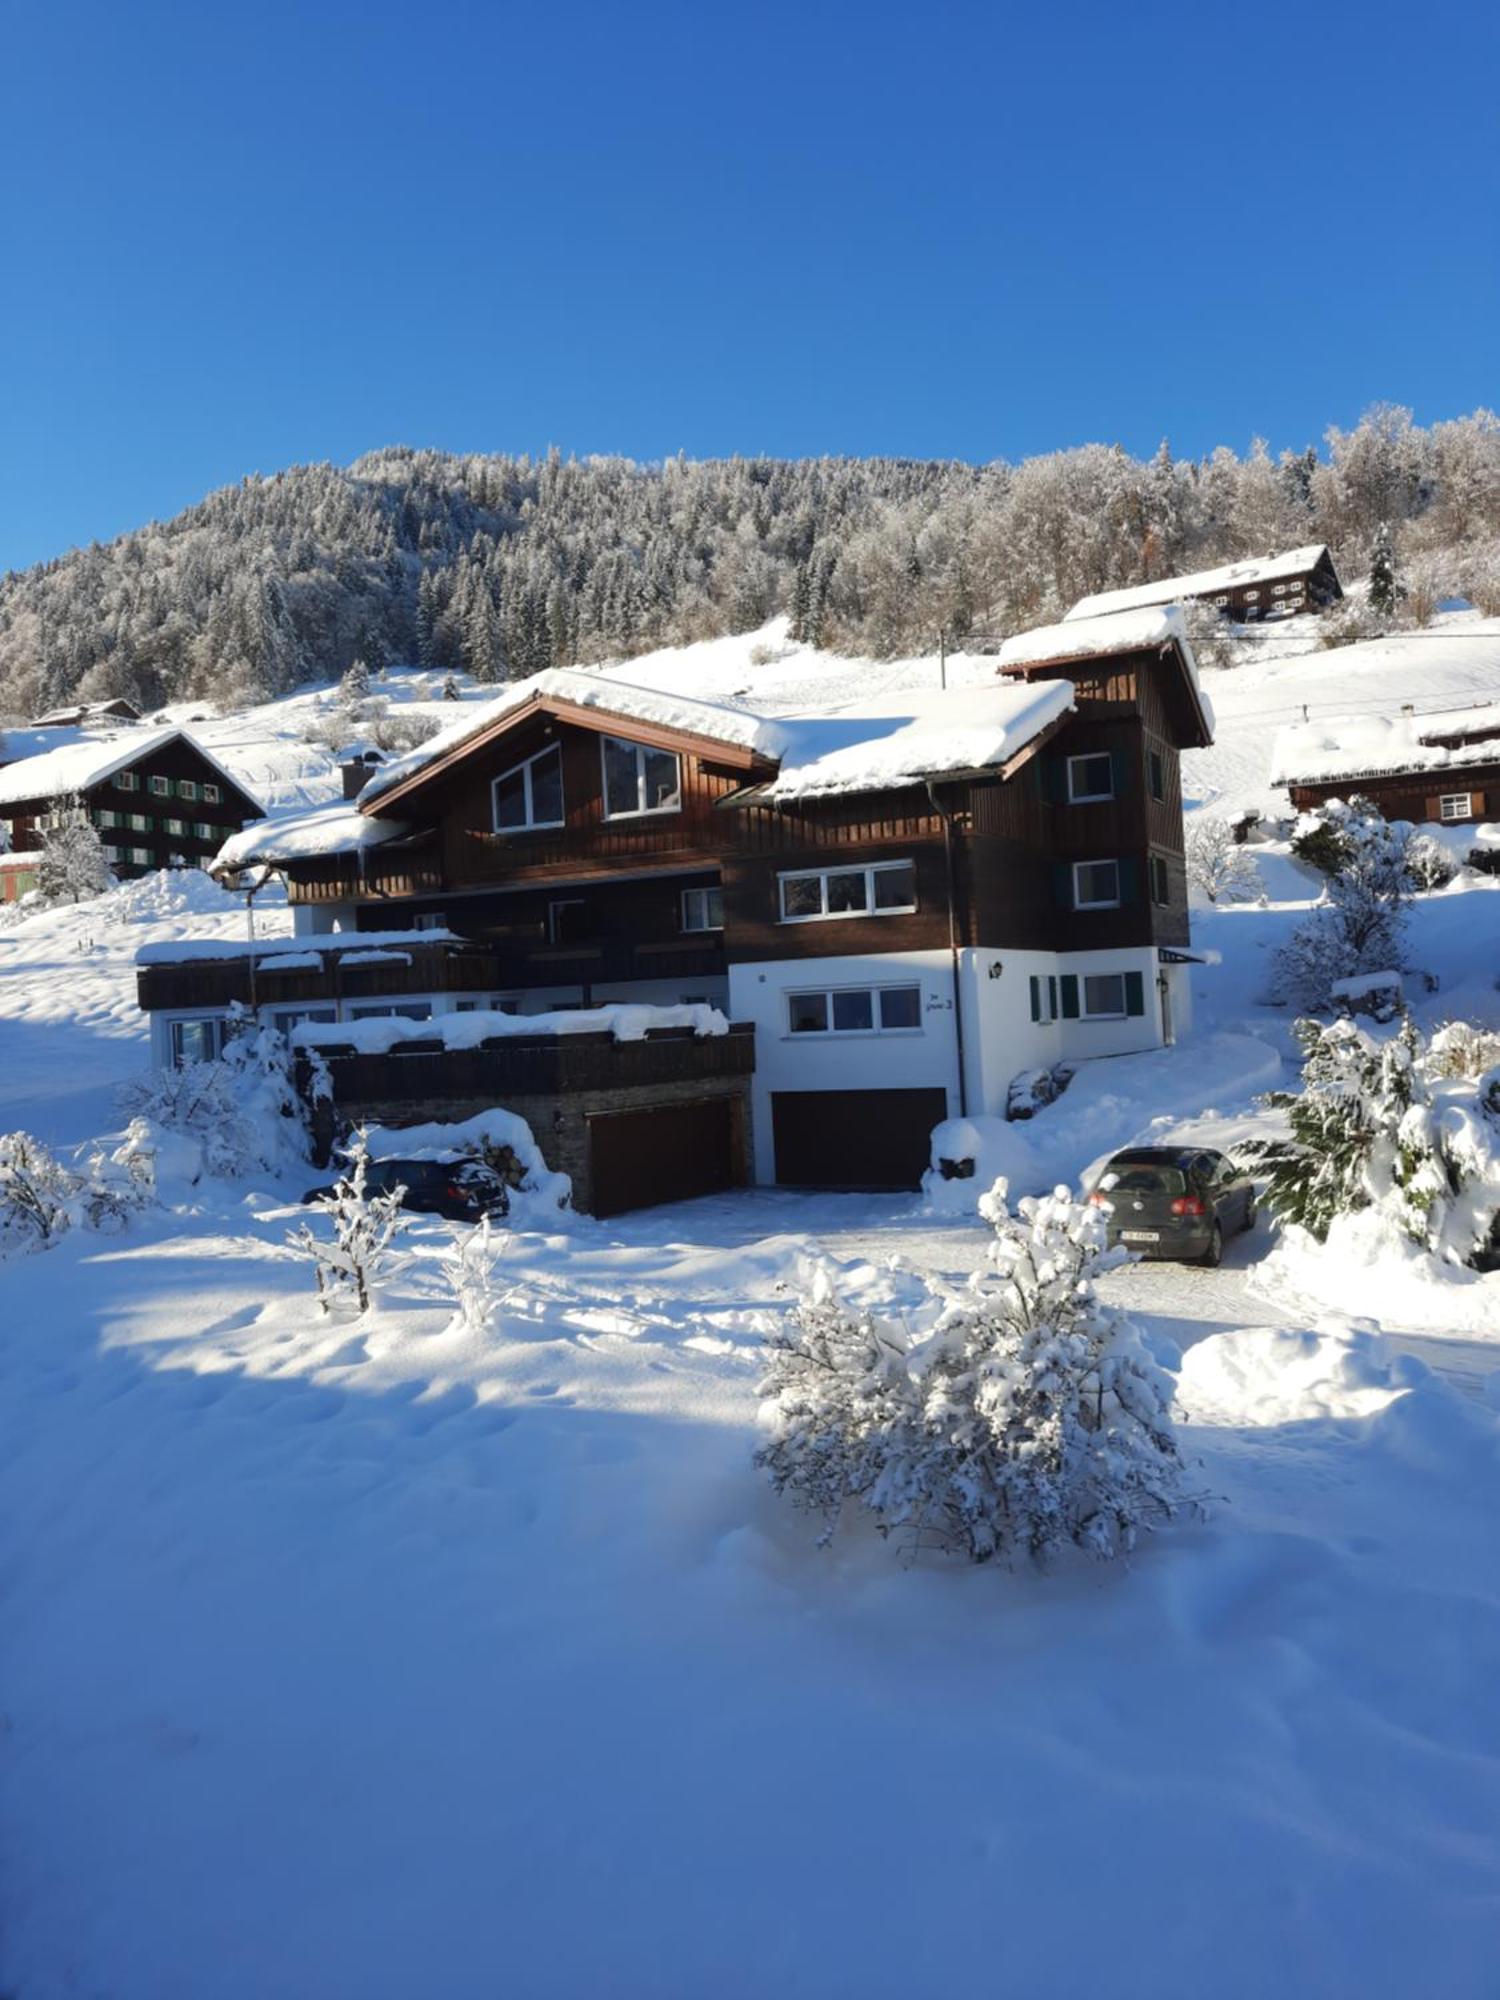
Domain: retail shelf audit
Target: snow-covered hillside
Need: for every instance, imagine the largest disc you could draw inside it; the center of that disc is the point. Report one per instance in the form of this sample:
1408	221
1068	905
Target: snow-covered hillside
380	1657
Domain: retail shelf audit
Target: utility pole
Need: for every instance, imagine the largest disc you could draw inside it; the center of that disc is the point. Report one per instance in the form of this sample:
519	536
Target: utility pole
943	656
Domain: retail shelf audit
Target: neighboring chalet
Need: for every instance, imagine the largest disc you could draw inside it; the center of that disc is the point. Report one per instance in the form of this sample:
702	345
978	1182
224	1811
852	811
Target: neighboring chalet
116	709
155	795
1261	587
898	905
1442	767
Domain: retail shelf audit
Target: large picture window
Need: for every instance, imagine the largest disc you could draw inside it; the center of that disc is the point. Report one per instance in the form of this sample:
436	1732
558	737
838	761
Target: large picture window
856	1010
638	779
1096	885
529	794
1104	996
884	889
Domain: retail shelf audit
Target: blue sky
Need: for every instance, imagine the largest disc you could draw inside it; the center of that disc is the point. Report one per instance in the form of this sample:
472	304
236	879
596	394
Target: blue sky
237	238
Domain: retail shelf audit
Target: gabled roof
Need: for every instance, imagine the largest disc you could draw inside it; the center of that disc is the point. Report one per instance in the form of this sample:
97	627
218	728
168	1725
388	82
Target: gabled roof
1344	748
593	702
1152	629
1204	582
88	761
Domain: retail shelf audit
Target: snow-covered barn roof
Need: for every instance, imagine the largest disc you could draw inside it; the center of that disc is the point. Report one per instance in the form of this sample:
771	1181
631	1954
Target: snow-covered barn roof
903	739
1341	747
1203	582
573	687
76	766
304	836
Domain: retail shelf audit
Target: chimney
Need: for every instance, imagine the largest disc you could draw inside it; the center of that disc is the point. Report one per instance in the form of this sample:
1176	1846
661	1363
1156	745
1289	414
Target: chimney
356	768
1408	708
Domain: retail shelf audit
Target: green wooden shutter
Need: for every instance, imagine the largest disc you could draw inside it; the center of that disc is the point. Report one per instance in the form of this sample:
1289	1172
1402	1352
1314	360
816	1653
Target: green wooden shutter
1052	994
1130	879
1121	772
1069	985
1036	998
1135	993
1062	885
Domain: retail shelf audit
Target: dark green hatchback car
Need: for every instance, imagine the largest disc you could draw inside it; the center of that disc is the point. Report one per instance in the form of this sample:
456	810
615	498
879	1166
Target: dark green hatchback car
1175	1201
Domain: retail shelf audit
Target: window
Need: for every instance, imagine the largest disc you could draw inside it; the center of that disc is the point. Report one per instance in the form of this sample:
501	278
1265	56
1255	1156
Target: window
1222	602
1456	805
161	788
141	856
206	832
428	920
703	909
1091	777
1156	765
114	853
1295	589
1104	996
496	1004
127	781
210	795
175	825
187	788
638	779
293	1017
856	1010
1251	596
567	920
885	889
1161	887
197	1040
412	1010
1096	885
1279	590
137	822
107	819
530	794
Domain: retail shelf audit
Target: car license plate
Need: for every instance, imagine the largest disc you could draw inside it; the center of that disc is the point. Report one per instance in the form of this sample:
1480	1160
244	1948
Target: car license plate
1140	1236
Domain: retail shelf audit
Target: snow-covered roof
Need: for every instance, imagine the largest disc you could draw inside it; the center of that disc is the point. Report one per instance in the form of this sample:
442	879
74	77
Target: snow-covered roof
1114	632
719	721
902	739
304	836
625	1021
192	951
76	766
1203	582
1374	746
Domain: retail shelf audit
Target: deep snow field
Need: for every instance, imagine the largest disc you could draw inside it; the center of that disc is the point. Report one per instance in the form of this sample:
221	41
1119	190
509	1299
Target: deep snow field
348	1658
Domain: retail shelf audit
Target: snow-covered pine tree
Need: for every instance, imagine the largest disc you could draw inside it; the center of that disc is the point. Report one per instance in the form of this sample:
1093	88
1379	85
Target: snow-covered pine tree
1028	1419
450	687
73	864
1385	590
355	687
365	1226
1361	925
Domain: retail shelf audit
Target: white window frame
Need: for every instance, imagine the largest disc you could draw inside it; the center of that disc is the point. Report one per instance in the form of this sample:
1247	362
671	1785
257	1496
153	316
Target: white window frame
1221	603
641	751
141	857
203	831
1252	596
127	781
174	1027
529	824
702	896
1446	799
1156	866
180	827
1076	798
827	994
824	915
210	794
187	788
159	788
1086	1013
1102	861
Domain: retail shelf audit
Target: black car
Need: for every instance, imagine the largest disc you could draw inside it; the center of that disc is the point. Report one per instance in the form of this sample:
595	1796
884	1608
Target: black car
1175	1201
461	1190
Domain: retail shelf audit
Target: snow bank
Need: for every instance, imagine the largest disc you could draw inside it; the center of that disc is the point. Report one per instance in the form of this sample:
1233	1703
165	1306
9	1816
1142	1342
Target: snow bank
1264	1375
1368	1267
466	1031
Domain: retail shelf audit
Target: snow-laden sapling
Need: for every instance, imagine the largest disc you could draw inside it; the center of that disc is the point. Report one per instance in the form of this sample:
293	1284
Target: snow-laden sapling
1361	926
1218	866
365	1226
469	1270
36	1193
1028	1418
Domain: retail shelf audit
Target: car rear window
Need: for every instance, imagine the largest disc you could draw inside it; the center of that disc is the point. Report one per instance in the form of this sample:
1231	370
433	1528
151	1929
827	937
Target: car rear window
1136	1178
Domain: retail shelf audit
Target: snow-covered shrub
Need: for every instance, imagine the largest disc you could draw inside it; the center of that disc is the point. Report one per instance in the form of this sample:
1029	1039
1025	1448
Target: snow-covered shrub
469	1270
1377	1125
36	1194
116	1186
1462	1050
1218	866
1361	925
1033	1089
365	1227
73	863
242	1108
1029	1418
1429	863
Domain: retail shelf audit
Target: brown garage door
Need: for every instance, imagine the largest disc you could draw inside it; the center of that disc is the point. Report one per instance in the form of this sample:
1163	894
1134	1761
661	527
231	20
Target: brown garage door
854	1138
638	1158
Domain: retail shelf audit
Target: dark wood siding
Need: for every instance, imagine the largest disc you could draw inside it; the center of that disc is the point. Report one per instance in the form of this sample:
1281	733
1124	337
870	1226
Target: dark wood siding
1411	795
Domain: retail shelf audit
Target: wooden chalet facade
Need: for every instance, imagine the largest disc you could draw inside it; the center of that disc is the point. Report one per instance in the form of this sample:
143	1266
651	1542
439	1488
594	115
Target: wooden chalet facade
156	796
1248	592
898	909
1441	769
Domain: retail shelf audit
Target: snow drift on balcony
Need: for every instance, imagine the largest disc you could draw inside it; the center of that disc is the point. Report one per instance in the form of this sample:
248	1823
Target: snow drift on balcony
314	946
904	738
1372	746
304	836
716	720
1202	583
376	1035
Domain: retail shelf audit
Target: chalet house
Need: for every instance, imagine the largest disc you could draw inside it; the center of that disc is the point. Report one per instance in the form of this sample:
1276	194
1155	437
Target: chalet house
1260	588
898	906
116	709
1442	767
156	796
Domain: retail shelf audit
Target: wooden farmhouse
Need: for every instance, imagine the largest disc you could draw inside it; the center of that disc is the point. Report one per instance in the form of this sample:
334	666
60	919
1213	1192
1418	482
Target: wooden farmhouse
155	795
896	907
1262	587
1442	767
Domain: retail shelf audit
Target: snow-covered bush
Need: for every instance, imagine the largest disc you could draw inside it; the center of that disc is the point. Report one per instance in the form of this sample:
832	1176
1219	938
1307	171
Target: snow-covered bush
1218	866
1360	926
1429	863
1028	1418
1378	1125
73	863
1462	1050
36	1194
469	1271
365	1227
116	1186
242	1108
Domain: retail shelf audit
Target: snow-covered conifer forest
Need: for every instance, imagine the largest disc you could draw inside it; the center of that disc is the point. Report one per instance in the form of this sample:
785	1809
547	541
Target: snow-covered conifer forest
503	566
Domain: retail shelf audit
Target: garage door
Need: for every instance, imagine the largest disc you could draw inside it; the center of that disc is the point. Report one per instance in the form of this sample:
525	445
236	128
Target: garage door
638	1158
854	1138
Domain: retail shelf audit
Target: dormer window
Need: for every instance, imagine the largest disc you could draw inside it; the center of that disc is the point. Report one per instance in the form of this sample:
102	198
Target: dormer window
529	794
639	780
